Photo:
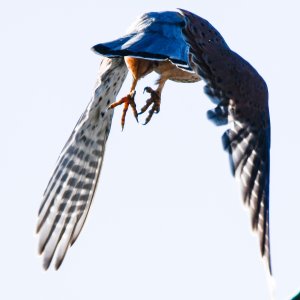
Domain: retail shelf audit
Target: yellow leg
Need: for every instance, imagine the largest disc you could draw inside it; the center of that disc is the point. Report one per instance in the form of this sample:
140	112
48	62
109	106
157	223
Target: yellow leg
138	68
127	100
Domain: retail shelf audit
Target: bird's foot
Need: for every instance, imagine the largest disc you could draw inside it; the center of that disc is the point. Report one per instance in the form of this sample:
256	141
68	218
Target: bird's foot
127	101
154	100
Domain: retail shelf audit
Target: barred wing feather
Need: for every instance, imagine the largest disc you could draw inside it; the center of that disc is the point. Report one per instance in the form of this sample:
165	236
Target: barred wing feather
70	191
241	96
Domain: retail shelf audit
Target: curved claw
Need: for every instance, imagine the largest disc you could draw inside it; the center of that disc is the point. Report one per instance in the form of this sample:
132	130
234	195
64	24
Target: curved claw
154	100
145	107
127	101
148	89
149	117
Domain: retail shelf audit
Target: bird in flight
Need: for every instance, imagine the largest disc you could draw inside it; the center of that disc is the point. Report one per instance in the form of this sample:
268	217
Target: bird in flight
143	53
182	47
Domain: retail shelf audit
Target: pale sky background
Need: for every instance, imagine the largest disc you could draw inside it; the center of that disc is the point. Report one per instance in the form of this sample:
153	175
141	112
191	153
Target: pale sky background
167	221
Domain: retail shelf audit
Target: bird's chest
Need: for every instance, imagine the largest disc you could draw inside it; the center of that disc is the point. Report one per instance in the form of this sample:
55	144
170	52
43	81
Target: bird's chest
172	72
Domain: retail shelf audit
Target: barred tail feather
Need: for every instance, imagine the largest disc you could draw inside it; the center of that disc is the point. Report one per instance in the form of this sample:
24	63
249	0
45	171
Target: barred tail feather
70	191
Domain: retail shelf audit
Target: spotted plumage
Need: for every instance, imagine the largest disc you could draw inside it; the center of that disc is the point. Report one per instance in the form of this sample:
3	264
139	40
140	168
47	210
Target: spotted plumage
70	191
241	96
181	47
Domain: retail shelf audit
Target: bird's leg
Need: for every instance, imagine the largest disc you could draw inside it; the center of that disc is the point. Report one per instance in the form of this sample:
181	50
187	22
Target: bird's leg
155	99
127	101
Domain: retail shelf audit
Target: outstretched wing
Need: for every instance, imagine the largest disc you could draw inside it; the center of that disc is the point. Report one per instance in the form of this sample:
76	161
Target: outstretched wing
241	96
70	191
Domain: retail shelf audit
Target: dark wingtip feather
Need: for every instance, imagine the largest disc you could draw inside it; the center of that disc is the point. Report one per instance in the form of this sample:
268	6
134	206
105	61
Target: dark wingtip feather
46	263
40	250
58	263
41	246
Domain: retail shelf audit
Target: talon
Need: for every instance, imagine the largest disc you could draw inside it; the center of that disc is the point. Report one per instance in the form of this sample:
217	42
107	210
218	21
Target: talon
127	100
148	89
154	100
126	104
149	117
145	107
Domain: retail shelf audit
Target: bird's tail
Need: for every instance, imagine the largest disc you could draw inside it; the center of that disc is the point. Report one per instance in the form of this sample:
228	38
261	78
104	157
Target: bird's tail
70	191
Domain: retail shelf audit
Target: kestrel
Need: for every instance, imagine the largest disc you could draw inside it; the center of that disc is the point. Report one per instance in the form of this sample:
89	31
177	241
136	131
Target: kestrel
153	43
179	46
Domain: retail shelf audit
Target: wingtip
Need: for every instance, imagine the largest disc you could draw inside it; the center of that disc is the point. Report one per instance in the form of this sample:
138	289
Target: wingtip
41	246
46	263
40	251
58	264
268	267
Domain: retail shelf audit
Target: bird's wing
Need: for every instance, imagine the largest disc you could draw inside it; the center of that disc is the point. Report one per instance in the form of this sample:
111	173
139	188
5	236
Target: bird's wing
70	191
154	35
241	96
